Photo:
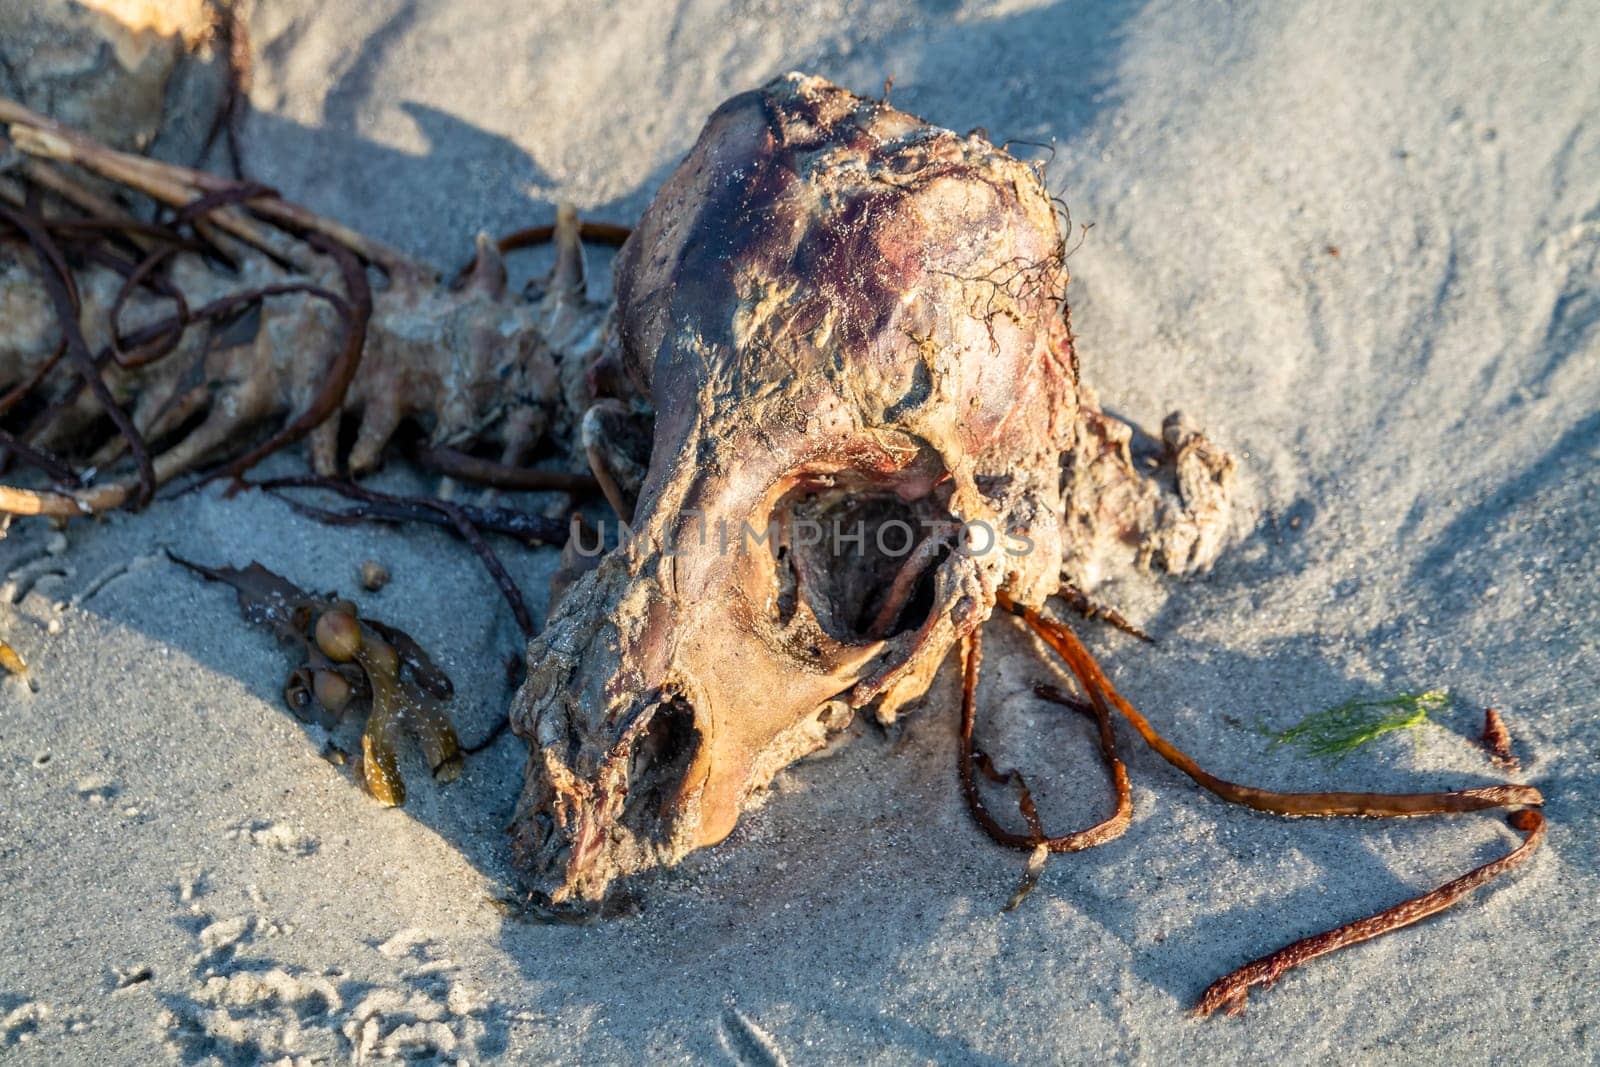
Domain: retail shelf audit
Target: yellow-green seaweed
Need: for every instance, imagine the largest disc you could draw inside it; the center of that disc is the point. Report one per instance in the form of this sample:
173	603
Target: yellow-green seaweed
353	663
1336	732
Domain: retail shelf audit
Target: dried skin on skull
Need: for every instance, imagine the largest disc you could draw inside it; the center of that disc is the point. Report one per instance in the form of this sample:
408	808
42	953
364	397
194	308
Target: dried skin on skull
838	313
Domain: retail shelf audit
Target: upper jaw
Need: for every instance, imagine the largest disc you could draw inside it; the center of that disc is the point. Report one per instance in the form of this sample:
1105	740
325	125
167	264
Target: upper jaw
659	701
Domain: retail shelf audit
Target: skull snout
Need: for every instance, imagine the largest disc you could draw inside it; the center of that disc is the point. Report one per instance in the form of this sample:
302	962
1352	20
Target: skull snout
592	813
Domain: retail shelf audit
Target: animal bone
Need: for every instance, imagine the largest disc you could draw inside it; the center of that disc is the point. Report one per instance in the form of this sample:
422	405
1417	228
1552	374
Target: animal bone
849	322
846	320
473	362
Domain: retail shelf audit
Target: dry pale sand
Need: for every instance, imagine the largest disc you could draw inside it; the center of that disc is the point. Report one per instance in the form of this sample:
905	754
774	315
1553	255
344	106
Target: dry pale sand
182	877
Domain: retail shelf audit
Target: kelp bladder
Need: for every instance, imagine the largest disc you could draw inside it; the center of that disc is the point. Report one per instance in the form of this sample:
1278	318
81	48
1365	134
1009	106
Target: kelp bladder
352	665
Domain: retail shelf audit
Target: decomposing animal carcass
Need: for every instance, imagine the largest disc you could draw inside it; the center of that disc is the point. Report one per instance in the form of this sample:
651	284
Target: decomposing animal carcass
840	407
851	328
241	310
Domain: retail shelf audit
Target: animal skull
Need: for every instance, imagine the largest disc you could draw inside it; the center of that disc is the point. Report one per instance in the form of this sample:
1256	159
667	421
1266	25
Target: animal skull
850	325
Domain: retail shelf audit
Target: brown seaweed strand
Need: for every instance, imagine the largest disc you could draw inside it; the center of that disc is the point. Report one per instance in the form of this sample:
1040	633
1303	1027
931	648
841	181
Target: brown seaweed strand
220	307
1231	990
356	307
497	571
179	320
1055	695
1382	805
599	233
531	529
609	234
144	274
1109	829
39	458
63	292
468	468
230	30
459	517
24	388
1090	608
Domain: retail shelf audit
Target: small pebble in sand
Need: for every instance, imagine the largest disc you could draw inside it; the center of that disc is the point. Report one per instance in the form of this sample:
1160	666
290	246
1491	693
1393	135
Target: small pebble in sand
95	789
132	975
374	575
11	661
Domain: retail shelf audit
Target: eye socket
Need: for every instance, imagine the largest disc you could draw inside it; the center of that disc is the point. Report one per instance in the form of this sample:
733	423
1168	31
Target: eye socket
863	559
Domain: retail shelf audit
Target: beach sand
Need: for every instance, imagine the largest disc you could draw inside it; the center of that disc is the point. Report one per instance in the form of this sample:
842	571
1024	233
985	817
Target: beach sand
1358	243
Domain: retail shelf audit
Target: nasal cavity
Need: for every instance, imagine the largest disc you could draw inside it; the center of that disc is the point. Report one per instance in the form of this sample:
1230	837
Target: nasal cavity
658	765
